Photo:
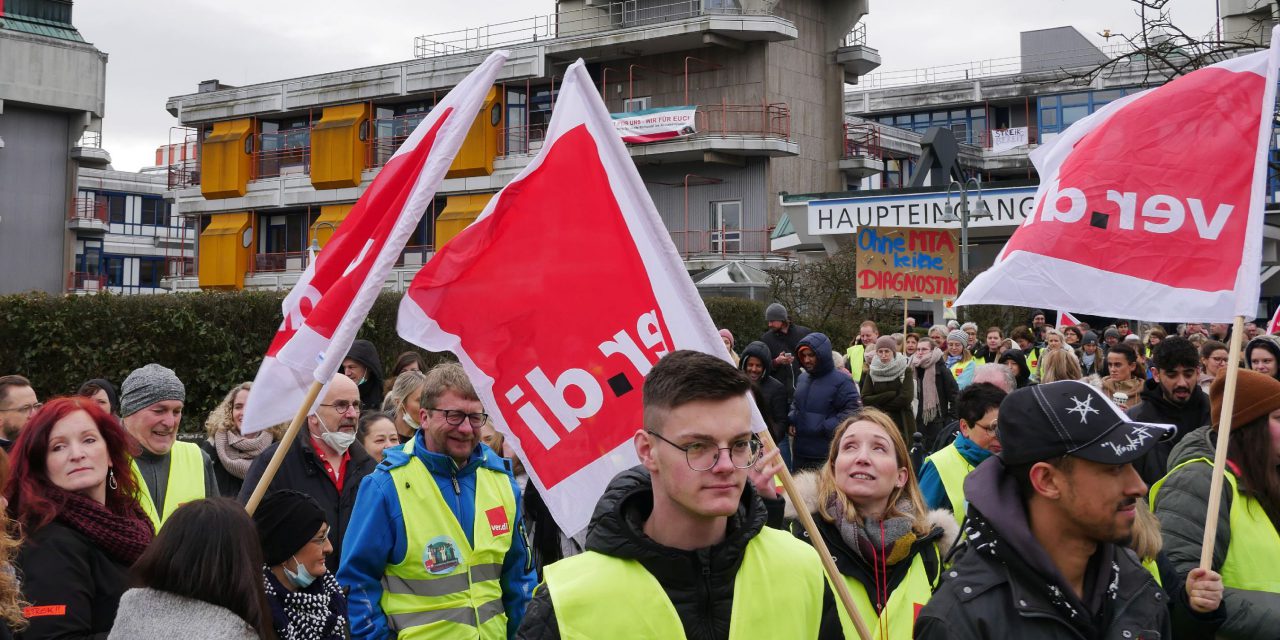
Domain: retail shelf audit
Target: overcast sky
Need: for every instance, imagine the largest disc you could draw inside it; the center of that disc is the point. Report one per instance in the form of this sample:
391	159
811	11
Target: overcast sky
162	48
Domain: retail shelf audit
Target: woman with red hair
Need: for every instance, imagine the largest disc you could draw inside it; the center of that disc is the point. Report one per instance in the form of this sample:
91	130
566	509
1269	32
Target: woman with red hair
83	527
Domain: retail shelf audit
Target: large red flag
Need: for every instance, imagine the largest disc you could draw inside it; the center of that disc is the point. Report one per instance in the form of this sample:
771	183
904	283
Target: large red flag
324	310
558	300
1152	207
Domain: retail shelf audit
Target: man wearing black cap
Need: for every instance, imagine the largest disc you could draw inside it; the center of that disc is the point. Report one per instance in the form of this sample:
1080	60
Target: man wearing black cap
1049	518
783	338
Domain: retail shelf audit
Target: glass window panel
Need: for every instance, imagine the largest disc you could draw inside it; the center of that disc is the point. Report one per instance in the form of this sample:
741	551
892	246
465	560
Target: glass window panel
920	117
115	208
1073	99
1071	114
902	119
1107	96
960	114
1048	117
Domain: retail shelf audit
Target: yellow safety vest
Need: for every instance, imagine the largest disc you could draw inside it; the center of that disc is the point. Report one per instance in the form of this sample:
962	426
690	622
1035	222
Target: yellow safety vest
952	470
445	587
1154	570
961	365
1033	362
1252	557
899	615
185	484
857	356
776	594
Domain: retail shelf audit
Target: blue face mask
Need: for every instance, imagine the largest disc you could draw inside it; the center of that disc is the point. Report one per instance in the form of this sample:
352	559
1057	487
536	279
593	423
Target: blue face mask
301	578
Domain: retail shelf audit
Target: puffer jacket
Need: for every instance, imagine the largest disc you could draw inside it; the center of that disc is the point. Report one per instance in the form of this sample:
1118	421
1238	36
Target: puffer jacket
1180	505
365	353
772	392
1003	583
698	583
1156	408
823	400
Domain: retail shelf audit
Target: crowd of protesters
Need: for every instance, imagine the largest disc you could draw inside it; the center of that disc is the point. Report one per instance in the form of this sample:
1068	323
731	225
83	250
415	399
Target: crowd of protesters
1026	481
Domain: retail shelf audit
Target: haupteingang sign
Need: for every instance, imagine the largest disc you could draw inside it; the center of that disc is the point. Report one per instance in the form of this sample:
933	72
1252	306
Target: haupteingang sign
1009	207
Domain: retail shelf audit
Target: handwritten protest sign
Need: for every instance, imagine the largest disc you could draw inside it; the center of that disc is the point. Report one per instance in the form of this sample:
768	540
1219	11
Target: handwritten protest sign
907	262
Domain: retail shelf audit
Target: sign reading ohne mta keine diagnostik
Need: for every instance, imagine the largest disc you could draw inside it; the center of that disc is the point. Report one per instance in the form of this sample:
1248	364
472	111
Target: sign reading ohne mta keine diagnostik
1009	207
904	262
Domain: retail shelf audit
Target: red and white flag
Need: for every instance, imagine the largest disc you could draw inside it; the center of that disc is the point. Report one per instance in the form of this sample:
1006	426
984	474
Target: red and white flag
329	303
1066	320
1152	207
558	300
1273	327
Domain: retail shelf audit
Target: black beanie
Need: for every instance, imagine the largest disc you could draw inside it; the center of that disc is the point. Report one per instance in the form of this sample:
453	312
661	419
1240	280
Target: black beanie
286	521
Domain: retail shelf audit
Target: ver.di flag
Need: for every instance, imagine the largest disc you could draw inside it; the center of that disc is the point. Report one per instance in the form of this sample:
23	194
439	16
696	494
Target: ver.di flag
334	294
1152	207
558	300
1066	320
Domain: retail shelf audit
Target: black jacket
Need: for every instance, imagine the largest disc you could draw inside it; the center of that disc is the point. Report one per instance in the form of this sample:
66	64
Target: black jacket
1155	407
1024	372
78	583
302	470
774	395
228	485
1004	585
780	343
363	351
698	583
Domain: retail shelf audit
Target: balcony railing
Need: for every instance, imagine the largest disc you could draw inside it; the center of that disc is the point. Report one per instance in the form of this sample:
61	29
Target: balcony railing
90	139
862	140
180	267
987	138
857	37
586	20
282	153
279	262
987	68
87	282
415	255
724	242
88	209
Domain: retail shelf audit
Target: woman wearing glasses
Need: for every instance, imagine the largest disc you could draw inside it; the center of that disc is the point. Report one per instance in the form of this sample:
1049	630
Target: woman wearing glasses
305	600
1213	359
869	511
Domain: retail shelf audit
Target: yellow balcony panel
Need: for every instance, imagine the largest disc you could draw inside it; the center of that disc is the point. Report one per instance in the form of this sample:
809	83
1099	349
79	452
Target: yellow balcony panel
226	247
475	158
225	159
331	215
339	146
458	213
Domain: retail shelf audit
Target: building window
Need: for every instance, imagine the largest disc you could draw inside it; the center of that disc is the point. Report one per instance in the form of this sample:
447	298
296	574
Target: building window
115	270
1061	111
726	227
155	211
150	270
90	259
969	125
116	208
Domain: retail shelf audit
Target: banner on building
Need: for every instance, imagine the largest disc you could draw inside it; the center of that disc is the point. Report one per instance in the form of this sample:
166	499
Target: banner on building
906	262
1006	139
654	125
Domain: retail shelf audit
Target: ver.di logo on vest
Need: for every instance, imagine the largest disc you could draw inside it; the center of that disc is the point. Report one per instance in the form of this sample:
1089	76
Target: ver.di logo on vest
441	556
498	524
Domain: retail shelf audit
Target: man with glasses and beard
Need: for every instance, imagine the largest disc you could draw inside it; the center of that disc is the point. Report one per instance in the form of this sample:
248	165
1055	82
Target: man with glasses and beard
322	462
1049	519
1173	397
678	547
18	403
436	546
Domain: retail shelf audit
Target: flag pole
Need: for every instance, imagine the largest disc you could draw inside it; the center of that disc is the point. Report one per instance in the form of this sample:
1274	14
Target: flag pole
828	563
1220	453
904	325
287	441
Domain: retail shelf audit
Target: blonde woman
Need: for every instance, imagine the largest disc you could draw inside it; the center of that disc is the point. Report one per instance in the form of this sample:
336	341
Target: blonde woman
404	401
232	452
870	513
1059	364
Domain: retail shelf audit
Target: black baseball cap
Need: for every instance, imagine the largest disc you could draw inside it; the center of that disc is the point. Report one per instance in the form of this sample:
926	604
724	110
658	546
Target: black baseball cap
1069	417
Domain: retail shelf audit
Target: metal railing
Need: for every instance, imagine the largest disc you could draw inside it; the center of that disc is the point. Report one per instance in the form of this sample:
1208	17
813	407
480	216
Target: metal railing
986	68
185	172
862	140
282	153
389	134
91	139
176	267
522	140
857	37
723	242
82	281
583	21
415	255
279	262
90	208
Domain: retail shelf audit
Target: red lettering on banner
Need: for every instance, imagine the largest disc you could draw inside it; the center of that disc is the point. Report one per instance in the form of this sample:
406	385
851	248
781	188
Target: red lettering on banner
1133	186
568	331
498	524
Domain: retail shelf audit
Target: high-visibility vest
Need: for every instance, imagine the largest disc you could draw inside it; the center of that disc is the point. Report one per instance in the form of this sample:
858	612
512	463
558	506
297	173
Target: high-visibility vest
1033	362
1154	569
445	587
857	355
952	469
898	618
777	593
1253	558
961	365
185	484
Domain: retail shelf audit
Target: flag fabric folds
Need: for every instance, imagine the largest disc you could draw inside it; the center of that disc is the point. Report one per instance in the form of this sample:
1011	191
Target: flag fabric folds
558	300
1066	320
330	301
1151	207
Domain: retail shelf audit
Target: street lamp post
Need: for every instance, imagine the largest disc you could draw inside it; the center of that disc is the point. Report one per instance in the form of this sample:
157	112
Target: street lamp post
979	211
314	249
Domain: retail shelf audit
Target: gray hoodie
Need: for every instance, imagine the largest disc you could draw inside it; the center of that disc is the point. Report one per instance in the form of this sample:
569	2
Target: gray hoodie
146	613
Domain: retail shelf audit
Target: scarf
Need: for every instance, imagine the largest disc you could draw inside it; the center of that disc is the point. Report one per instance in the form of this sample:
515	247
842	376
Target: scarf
952	360
122	536
236	452
1131	387
1087	360
888	371
313	613
879	543
928	383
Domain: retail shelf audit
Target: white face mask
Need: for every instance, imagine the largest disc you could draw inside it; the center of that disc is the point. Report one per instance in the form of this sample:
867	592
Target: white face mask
337	440
408	419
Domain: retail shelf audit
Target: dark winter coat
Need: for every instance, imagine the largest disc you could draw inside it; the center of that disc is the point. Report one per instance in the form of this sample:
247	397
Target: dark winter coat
303	470
772	392
788	342
228	485
78	583
1004	585
893	397
363	351
948	391
1155	407
823	400
1180	505
1024	373
698	583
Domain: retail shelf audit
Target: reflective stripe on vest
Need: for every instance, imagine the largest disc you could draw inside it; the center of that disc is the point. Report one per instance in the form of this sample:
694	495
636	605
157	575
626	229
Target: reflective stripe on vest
857	360
776	594
185	484
445	588
952	470
899	615
1253	556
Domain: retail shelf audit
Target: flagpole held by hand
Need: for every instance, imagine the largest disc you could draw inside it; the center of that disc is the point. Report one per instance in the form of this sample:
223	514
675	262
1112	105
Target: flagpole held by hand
287	441
835	579
1220	454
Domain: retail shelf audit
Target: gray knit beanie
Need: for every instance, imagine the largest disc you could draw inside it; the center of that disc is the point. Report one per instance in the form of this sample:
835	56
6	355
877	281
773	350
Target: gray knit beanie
959	336
149	385
775	313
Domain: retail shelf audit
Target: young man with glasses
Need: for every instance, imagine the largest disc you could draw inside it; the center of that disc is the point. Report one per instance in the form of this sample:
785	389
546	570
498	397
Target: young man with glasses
678	547
942	474
323	462
17	404
436	546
